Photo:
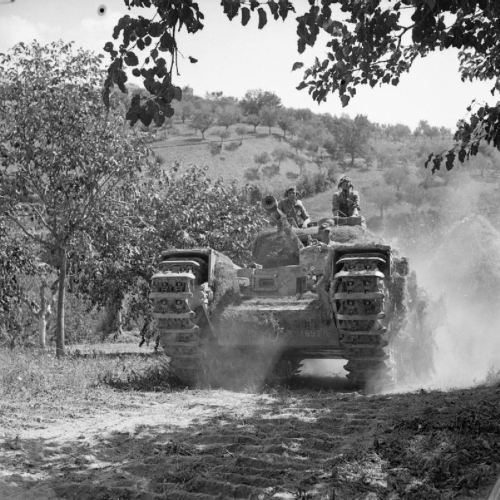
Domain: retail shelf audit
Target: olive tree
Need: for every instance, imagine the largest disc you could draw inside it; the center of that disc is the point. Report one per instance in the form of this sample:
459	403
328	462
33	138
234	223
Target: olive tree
66	159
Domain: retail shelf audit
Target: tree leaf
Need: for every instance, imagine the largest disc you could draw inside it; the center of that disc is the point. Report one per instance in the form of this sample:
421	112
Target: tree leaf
297	65
245	16
262	17
131	59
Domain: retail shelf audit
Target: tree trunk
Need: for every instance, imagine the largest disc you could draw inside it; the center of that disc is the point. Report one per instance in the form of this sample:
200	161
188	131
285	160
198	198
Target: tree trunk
42	331
114	319
60	341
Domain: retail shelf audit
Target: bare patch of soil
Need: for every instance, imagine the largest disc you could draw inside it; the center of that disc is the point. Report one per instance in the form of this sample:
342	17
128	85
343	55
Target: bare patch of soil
316	440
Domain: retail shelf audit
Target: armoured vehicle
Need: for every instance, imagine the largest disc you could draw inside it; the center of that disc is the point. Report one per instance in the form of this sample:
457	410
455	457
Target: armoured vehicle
331	291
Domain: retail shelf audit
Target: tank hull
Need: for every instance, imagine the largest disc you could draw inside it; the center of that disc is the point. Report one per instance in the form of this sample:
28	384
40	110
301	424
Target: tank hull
341	295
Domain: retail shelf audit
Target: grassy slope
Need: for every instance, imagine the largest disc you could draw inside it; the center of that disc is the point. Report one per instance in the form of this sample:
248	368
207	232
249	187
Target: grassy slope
186	146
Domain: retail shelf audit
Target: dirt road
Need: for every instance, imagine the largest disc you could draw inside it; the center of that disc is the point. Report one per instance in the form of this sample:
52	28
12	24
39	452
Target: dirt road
314	441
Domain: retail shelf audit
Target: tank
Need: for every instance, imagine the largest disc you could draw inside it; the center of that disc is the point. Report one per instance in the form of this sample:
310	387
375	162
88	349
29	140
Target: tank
330	291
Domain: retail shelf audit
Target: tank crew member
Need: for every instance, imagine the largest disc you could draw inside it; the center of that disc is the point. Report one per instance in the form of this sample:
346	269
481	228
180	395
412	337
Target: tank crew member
293	208
345	202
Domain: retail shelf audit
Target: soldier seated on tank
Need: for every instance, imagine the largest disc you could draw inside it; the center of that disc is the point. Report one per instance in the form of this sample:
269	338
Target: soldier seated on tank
294	209
345	202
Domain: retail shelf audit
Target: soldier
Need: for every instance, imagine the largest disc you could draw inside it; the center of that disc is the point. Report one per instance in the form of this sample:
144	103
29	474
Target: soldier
293	208
345	202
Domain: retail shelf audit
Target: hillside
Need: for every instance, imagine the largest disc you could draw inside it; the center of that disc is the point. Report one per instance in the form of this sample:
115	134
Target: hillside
235	161
236	157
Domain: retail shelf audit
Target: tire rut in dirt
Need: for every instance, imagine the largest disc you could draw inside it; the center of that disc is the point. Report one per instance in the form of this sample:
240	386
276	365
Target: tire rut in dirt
263	458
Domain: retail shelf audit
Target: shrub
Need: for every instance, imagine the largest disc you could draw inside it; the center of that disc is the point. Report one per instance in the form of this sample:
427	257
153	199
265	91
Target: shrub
215	148
271	171
232	146
315	183
252	174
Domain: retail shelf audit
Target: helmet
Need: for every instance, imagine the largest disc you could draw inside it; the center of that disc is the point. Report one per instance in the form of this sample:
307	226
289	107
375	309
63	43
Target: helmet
291	188
343	179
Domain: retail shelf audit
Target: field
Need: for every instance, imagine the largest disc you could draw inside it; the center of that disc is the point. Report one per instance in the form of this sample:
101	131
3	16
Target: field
122	428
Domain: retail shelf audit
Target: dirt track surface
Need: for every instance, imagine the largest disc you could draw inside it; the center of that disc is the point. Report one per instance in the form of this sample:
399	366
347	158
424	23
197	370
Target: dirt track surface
305	443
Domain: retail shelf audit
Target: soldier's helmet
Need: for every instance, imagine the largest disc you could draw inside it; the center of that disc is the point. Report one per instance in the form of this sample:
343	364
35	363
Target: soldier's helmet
345	178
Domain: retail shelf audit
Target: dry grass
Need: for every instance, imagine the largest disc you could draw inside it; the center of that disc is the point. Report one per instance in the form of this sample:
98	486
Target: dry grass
187	147
34	383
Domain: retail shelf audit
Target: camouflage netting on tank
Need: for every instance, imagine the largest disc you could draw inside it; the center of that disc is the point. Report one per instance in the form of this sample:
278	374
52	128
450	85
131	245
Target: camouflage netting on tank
274	248
225	285
347	234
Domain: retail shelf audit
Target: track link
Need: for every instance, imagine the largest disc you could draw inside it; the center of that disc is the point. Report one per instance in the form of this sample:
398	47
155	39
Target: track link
358	295
180	309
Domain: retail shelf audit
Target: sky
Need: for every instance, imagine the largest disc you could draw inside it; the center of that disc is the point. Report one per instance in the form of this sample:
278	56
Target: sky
234	59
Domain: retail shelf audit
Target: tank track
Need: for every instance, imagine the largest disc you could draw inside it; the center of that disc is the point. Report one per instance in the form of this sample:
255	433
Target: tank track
358	295
181	312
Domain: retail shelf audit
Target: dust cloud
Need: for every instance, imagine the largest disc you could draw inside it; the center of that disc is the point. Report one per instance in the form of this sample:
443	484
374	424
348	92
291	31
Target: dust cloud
462	272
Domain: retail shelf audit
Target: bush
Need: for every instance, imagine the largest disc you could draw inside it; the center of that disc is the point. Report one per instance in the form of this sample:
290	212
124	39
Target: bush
215	148
271	171
252	174
232	146
315	183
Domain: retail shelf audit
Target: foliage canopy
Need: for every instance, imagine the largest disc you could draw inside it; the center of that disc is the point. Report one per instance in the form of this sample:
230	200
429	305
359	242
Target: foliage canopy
367	43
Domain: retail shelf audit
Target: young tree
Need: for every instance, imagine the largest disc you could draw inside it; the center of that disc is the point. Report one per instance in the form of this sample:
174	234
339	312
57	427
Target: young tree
228	116
333	147
241	131
223	134
298	144
426	26
255	100
62	148
415	194
261	159
202	120
269	116
425	130
382	197
186	111
254	120
280	154
398	176
354	136
286	122
398	132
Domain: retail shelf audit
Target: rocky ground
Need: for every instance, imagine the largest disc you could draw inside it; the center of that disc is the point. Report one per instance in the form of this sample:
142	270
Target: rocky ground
314	440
